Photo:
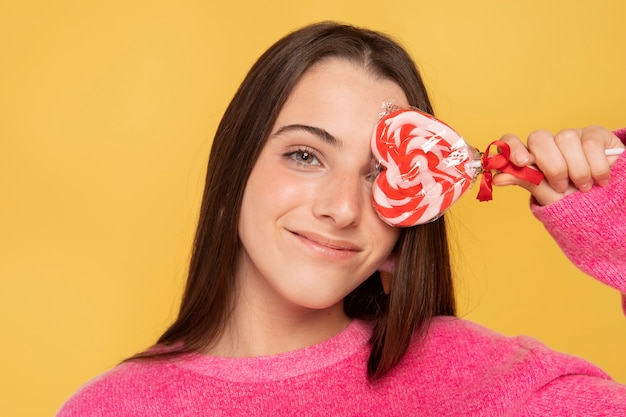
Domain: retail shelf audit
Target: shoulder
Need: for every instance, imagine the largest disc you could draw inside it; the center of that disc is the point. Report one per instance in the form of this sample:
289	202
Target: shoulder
116	391
468	369
463	353
464	344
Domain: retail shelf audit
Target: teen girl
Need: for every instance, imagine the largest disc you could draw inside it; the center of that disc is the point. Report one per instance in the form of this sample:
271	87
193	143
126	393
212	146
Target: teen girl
284	312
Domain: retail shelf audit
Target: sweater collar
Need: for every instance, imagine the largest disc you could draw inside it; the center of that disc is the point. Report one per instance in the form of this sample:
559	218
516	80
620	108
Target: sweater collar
352	340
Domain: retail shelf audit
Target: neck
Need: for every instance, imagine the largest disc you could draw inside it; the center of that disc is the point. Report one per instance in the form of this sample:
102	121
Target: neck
262	330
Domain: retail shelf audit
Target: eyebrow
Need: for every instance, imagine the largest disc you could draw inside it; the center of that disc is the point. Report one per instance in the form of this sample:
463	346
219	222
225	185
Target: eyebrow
316	131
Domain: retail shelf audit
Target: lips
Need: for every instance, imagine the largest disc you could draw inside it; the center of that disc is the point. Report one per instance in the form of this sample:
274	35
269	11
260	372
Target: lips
327	246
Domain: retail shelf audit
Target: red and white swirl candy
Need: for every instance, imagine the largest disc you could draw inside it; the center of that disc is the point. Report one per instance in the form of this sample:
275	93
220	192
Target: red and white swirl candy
427	167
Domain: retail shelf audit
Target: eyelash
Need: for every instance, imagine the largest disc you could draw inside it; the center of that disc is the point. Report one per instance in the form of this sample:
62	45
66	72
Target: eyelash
300	152
311	154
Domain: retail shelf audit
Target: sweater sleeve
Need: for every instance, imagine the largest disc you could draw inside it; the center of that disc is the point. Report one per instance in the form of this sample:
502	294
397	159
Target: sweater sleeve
477	371
590	228
577	394
621	133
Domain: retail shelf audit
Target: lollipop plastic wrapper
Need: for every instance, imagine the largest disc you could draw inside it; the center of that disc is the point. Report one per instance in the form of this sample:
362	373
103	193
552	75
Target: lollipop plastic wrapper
426	166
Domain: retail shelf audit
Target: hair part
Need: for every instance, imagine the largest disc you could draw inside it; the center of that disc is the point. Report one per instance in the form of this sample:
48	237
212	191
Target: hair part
422	283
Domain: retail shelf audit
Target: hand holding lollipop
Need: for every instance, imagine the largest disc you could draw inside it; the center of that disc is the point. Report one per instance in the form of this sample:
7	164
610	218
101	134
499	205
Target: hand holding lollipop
427	167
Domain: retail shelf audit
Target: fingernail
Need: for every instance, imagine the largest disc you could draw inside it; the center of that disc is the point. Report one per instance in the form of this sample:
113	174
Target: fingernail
585	187
561	186
502	183
522	158
603	182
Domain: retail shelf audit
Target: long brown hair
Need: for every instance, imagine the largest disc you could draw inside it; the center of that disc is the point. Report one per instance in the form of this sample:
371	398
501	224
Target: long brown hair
422	284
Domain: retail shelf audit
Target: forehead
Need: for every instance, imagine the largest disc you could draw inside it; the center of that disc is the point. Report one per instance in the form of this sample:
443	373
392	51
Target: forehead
338	92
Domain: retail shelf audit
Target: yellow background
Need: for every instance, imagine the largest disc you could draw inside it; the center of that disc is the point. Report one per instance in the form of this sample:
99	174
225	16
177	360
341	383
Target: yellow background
107	110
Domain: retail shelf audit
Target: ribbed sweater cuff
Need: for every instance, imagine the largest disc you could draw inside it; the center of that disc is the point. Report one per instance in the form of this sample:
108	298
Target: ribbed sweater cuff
621	133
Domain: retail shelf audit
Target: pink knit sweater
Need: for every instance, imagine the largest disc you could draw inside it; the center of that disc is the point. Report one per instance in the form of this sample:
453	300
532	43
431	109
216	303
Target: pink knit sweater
590	228
458	369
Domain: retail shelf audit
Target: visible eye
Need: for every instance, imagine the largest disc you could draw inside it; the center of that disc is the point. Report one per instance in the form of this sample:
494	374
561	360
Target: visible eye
304	156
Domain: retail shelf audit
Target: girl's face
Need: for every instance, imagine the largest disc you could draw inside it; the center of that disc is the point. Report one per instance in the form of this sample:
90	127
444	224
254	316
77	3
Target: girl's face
308	230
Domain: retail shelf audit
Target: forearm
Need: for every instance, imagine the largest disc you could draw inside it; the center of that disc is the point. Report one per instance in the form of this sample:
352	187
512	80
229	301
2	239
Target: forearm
590	228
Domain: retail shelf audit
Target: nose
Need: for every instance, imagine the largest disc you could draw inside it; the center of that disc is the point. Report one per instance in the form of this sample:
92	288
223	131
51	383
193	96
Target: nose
340	200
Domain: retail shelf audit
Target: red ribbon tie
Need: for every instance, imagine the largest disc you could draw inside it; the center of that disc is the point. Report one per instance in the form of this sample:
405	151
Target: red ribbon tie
501	162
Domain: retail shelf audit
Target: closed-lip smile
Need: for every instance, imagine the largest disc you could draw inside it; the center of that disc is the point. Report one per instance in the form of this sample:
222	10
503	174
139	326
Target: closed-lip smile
326	245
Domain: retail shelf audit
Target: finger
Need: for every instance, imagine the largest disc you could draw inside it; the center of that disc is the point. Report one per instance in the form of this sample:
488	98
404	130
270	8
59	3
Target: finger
520	156
594	142
569	142
549	159
543	193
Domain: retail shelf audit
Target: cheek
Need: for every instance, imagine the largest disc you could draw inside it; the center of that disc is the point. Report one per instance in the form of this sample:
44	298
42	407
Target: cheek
387	236
377	224
393	235
272	191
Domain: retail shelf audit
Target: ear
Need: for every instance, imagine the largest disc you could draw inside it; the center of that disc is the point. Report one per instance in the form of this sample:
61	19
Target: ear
385	280
386	271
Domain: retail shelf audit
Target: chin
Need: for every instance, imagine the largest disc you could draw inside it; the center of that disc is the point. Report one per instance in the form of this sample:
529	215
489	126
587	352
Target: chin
316	300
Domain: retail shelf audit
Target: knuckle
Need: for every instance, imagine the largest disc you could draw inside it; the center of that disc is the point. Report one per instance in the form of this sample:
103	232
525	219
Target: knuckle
509	138
595	134
538	136
595	128
567	136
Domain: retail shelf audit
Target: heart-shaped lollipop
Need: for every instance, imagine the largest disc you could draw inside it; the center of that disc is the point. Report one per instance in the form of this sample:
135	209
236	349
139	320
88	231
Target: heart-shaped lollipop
426	165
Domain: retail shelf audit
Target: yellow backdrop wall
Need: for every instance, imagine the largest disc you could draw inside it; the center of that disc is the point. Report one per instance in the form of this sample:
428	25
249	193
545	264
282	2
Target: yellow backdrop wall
107	110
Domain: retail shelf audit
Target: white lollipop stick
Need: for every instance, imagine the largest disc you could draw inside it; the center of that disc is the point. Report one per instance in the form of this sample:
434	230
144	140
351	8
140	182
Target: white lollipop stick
614	151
